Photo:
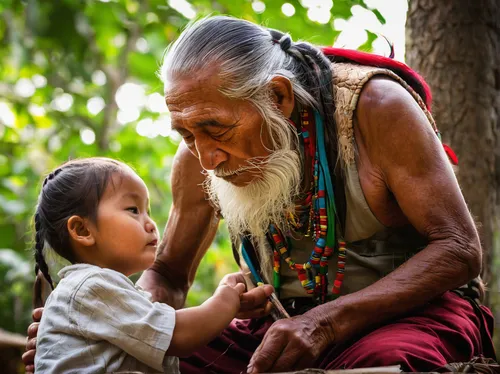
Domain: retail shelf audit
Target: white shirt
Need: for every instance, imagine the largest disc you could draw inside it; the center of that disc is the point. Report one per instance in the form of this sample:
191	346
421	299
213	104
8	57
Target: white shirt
97	321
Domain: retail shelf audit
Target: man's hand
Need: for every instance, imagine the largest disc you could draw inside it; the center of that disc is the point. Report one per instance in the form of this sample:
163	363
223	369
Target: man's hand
293	343
29	355
254	303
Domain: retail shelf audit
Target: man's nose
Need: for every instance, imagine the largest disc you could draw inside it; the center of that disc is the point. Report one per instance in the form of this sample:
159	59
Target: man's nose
210	155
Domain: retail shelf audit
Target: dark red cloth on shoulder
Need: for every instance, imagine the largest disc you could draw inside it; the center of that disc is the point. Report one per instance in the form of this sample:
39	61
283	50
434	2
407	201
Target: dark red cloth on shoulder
448	329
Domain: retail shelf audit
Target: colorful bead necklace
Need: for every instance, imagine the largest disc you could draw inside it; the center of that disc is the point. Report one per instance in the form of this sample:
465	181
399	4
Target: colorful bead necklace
313	274
313	217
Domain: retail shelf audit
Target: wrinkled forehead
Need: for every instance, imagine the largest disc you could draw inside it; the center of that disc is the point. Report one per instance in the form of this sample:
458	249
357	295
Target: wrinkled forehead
182	86
198	99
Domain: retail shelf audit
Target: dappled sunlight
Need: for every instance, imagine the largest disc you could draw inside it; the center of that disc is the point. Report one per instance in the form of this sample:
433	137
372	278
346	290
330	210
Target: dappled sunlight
87	87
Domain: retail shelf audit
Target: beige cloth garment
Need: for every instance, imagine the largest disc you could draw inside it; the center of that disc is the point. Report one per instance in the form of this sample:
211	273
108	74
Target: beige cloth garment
367	261
97	321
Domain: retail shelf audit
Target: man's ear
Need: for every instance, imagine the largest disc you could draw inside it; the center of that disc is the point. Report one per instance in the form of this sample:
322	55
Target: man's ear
283	94
80	231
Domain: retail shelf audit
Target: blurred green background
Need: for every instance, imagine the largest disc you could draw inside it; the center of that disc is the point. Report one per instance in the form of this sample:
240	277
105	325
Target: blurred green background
78	79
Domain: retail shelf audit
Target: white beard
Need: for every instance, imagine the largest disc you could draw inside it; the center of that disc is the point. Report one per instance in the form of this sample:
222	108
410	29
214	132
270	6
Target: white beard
267	199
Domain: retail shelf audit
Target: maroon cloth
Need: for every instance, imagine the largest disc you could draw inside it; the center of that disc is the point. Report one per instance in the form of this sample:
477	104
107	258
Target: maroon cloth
448	329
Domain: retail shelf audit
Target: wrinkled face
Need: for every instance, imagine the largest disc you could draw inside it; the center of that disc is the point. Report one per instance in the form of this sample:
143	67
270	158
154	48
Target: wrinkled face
125	235
224	134
252	178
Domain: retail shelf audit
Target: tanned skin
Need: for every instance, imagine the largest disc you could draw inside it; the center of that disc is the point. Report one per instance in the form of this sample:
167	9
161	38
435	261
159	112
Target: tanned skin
405	177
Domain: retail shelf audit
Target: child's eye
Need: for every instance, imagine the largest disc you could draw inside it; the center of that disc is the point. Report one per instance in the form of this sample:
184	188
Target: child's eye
133	209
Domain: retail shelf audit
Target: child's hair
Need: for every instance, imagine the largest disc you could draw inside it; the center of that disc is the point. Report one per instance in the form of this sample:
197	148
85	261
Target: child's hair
74	188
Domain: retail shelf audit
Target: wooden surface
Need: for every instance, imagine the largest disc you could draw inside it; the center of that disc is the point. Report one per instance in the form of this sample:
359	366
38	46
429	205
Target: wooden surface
377	370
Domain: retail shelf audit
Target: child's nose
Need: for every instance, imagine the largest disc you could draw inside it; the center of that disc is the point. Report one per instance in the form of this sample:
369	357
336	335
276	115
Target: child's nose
150	226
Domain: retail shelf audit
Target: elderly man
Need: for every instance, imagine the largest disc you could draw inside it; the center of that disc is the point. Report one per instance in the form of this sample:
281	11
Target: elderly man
329	171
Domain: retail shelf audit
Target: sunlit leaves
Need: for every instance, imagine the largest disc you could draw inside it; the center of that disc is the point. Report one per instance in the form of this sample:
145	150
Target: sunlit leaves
78	79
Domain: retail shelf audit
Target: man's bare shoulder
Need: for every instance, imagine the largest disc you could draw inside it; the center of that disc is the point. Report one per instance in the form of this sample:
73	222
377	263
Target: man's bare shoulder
386	111
185	159
186	167
384	95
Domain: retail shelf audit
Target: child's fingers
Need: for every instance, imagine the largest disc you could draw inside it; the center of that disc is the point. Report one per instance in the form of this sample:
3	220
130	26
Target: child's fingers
233	279
240	287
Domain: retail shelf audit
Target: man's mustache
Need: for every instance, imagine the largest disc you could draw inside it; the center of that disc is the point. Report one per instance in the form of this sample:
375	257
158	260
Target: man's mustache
254	164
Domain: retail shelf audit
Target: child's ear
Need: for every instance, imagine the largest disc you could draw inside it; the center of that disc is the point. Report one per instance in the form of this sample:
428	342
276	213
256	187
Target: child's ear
79	231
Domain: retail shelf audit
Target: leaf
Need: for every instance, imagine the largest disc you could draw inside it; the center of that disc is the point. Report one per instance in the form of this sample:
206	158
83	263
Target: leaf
60	45
367	46
379	16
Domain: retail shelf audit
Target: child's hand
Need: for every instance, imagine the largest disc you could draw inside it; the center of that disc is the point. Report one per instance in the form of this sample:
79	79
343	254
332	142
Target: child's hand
230	292
253	303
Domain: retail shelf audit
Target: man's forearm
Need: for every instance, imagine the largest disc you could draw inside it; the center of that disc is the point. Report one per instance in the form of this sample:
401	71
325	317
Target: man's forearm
173	291
426	275
190	229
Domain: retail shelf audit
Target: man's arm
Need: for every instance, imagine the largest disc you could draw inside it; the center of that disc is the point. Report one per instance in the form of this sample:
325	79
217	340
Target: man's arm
407	156
406	159
190	229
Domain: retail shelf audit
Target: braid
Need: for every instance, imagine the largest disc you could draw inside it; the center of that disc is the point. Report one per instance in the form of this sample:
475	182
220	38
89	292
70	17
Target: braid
316	72
282	39
41	264
322	76
51	176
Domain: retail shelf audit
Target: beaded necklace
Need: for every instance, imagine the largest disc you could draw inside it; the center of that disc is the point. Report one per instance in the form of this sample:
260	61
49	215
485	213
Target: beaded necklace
313	217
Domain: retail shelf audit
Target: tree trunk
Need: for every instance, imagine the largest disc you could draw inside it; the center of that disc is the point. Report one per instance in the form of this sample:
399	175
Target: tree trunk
455	46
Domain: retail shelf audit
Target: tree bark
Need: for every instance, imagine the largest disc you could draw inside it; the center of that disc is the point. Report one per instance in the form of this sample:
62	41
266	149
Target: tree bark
455	46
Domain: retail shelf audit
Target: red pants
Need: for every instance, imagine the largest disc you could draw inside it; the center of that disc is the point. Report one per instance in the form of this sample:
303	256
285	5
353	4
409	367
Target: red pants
448	329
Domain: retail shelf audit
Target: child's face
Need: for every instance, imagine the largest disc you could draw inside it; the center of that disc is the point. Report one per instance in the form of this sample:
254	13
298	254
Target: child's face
125	235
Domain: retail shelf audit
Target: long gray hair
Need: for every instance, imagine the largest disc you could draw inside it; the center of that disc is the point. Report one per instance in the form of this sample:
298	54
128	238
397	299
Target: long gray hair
248	57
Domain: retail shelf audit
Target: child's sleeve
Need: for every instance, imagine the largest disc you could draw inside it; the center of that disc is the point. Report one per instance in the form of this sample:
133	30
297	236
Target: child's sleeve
108	307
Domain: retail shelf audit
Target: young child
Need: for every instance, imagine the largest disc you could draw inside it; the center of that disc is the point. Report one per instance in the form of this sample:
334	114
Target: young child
95	213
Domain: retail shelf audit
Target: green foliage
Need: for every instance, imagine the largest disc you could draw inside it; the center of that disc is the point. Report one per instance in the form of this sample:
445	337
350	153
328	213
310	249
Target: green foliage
63	63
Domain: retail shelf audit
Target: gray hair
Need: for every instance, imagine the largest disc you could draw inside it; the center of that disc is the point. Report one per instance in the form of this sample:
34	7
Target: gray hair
248	56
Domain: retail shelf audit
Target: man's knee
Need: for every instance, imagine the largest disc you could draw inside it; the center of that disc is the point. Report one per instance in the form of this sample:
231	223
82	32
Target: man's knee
411	353
384	354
